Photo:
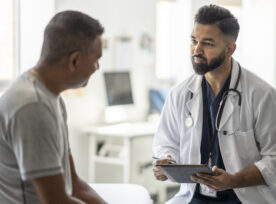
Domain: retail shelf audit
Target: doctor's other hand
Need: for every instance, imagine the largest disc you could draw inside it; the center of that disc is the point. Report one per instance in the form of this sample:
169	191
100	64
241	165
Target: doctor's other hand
220	181
157	173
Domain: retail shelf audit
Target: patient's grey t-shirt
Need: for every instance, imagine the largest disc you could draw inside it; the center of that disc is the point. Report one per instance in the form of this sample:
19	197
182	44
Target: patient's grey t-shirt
33	139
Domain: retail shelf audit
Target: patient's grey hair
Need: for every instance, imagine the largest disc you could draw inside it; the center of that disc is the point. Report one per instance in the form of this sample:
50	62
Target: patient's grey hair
67	32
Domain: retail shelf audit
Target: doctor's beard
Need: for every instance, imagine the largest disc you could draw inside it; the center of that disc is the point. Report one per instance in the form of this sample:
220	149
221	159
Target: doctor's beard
203	68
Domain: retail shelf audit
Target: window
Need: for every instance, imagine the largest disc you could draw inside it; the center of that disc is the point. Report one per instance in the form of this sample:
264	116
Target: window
255	45
7	42
173	30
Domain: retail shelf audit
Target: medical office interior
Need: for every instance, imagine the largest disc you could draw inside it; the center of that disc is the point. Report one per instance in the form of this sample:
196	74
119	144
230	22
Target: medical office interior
146	51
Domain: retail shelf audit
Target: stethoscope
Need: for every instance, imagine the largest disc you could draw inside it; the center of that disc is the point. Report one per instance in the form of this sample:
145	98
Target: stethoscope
189	120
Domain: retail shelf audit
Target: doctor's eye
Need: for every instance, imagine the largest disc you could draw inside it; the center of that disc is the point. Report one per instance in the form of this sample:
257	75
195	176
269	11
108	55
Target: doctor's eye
193	41
208	44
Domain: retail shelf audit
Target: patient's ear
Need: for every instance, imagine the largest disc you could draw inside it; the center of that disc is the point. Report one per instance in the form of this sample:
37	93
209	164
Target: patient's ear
73	61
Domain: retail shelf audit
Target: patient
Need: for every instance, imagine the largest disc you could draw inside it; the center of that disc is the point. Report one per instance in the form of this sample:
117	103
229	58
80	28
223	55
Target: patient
36	165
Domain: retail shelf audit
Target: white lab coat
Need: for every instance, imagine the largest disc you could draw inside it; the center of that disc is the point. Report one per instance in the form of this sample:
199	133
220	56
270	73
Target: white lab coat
252	128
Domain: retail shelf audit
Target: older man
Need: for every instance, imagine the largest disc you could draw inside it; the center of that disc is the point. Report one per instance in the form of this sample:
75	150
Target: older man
36	165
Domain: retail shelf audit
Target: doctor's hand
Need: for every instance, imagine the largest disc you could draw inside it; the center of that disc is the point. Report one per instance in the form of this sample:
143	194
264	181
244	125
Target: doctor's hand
220	181
157	173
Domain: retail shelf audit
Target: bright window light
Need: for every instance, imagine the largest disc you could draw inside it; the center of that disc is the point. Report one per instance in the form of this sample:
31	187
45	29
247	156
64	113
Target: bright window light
6	40
173	30
164	29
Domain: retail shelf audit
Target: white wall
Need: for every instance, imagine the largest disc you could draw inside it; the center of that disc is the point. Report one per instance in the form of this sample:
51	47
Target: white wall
174	25
133	18
120	17
258	43
33	16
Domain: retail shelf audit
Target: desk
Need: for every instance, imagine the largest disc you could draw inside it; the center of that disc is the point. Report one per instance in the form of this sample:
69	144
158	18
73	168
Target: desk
122	153
118	145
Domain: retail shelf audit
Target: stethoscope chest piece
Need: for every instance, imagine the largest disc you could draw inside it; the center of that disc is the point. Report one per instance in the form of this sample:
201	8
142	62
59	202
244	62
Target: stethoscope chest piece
189	121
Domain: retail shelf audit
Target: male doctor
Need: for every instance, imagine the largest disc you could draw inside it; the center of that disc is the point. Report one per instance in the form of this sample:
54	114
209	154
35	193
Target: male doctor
223	116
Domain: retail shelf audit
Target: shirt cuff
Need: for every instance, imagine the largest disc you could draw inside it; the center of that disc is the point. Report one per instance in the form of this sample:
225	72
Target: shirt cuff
172	154
268	175
41	173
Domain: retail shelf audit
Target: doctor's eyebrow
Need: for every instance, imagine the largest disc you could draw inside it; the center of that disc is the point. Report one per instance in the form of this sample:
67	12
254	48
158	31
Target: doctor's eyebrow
204	39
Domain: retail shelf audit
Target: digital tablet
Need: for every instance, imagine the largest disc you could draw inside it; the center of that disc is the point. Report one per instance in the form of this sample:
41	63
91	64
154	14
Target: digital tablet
181	173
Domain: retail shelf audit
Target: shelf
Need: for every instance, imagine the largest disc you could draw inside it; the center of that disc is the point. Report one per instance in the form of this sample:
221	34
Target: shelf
110	160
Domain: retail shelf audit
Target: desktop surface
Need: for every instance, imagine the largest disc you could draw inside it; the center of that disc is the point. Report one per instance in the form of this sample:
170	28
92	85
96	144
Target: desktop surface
125	129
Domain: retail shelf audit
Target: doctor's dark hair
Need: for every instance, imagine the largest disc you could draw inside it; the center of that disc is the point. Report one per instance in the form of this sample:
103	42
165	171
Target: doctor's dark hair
67	32
225	20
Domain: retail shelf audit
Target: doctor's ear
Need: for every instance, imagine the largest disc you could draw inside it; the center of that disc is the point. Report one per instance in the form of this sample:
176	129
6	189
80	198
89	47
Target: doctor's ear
231	47
73	61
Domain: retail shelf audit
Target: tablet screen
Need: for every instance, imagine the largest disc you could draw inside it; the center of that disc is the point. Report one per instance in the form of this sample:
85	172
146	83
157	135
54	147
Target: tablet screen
180	173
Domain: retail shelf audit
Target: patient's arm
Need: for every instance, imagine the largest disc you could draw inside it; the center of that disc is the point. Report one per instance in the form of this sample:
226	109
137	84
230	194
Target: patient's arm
51	190
82	190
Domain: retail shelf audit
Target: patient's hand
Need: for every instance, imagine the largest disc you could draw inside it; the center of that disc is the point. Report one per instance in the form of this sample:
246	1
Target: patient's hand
157	173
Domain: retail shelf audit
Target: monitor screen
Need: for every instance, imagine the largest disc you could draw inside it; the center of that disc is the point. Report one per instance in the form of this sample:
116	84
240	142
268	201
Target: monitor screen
118	88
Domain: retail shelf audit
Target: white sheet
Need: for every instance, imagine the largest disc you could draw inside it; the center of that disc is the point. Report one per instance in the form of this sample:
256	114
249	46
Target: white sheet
123	193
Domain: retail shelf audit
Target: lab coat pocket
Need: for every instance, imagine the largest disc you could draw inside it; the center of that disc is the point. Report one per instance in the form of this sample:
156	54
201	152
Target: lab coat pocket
230	121
246	146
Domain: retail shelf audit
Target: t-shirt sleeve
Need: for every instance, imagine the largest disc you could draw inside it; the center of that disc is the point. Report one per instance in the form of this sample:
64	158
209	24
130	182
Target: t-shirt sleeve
64	114
35	143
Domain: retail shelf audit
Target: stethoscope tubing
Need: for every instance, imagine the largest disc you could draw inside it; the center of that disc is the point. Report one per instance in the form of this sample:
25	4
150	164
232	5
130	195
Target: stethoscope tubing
189	119
224	97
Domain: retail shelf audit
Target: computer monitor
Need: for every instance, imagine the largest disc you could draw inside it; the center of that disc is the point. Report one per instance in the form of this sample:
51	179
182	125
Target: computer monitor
118	88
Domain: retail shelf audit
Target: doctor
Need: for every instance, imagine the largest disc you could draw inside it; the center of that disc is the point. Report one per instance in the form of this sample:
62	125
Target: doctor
223	116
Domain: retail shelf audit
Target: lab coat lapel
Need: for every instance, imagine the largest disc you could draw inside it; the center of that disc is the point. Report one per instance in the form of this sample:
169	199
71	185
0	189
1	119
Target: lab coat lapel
232	98
227	112
194	105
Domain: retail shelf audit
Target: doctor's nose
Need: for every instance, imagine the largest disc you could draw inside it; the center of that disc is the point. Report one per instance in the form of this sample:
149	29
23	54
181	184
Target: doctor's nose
197	49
